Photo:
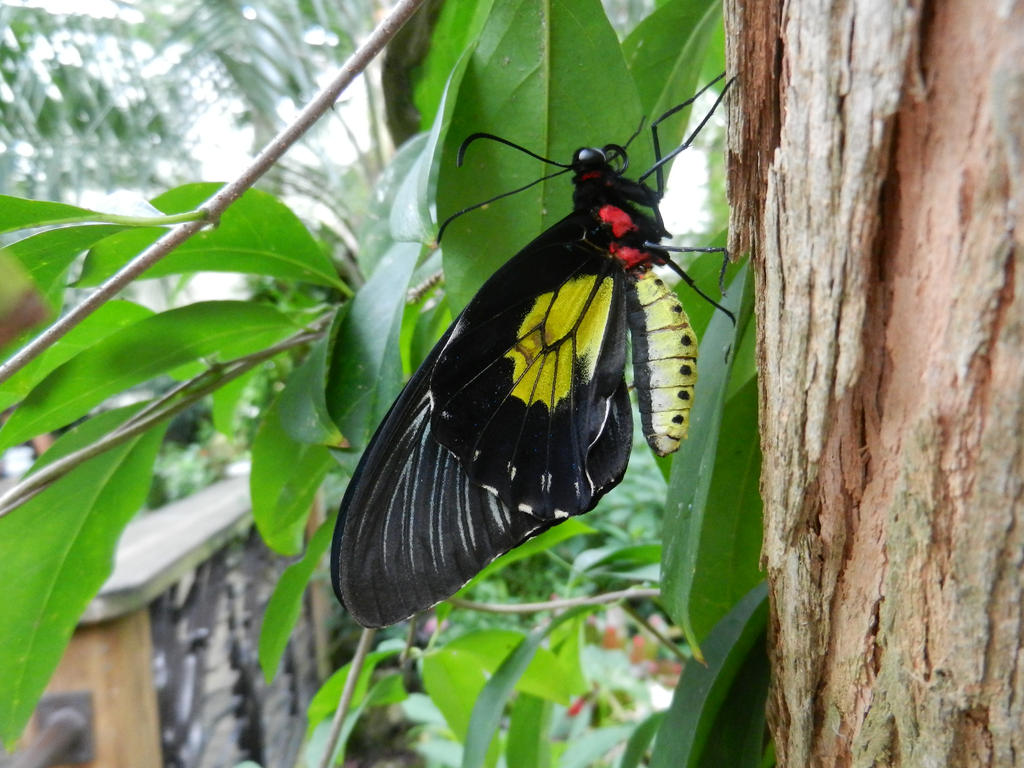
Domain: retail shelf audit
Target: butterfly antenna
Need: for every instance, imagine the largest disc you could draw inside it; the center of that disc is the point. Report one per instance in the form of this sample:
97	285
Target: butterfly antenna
636	133
450	219
475	136
490	136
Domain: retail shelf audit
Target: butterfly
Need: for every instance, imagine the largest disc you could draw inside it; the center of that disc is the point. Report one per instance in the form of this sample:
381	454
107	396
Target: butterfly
519	417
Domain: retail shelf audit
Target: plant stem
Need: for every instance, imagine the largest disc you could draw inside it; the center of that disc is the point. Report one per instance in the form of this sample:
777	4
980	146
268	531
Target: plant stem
162	408
212	209
354	670
552	605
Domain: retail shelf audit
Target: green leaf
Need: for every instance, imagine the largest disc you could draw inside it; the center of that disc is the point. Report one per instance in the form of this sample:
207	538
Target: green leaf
744	369
729	551
566	641
387	690
737	737
549	678
446	108
704	271
285	604
284	479
22	308
325	701
420	710
593	745
455	674
714	61
456	30
702	690
48	255
56	550
490	704
636	745
691	477
618	556
529	743
21	213
540	543
408	215
366	367
303	407
136	353
398	209
108	318
409	218
428	325
531	79
665	55
545	676
453	681
226	399
257	235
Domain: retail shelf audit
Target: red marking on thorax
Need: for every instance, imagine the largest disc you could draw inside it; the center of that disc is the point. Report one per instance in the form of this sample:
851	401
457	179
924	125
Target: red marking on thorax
629	257
620	221
590	175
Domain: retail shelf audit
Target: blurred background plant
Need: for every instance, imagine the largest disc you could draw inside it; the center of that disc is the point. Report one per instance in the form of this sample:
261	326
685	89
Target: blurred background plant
103	104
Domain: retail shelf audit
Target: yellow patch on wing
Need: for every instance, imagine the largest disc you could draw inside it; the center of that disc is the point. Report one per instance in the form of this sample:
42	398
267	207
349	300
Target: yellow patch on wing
562	327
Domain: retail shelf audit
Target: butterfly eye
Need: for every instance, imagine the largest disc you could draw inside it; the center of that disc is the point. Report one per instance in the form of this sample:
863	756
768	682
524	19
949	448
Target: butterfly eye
588	157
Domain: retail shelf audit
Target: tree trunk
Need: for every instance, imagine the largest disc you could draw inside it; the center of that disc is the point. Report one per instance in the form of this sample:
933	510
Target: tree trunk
877	179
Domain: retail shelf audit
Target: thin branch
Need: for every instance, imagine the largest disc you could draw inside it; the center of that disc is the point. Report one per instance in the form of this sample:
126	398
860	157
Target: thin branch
226	371
410	641
160	409
378	119
354	670
216	205
417	292
553	605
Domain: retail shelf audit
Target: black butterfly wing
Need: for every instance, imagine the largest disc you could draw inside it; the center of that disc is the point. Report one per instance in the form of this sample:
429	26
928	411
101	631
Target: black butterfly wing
412	528
528	391
415	525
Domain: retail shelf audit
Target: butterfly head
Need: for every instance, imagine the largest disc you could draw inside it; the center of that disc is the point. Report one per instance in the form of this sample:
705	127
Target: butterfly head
592	163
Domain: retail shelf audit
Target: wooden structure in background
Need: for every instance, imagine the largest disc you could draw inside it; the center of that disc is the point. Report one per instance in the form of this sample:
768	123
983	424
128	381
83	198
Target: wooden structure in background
168	649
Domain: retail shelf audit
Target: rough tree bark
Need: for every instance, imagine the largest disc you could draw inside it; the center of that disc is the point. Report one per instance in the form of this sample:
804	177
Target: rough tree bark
877	178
